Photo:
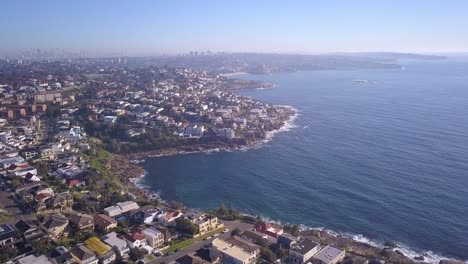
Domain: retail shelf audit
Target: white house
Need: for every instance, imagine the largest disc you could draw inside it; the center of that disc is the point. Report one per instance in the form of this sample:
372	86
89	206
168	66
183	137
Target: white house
120	246
154	237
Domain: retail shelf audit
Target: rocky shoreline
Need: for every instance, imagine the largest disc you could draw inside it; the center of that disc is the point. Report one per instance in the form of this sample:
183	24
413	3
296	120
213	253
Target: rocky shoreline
127	169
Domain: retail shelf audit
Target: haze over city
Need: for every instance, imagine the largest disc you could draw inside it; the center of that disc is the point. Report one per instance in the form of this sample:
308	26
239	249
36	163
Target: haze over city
128	28
234	132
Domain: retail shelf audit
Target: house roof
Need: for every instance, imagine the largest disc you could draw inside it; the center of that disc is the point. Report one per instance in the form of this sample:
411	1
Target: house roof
52	221
82	253
328	254
189	259
95	245
81	219
7	231
242	243
104	220
305	246
132	237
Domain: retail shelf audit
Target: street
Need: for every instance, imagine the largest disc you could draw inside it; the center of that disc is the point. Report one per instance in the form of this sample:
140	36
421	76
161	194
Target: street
231	225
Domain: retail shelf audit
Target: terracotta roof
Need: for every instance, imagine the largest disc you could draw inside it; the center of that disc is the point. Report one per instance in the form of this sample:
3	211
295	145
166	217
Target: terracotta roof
132	237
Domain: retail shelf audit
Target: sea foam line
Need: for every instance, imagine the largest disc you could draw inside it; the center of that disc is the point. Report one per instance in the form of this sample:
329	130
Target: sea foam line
429	256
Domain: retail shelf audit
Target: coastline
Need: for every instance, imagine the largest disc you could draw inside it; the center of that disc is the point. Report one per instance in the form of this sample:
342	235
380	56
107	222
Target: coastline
126	166
355	243
233	74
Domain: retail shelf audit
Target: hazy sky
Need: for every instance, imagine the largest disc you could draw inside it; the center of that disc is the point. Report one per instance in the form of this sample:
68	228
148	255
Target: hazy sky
103	27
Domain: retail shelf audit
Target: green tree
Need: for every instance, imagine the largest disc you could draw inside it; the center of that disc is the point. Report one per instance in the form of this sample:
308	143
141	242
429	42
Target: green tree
185	226
6	253
267	255
136	254
235	232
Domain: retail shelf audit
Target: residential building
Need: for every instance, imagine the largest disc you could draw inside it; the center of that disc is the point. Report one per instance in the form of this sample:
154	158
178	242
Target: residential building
8	235
33	259
231	254
128	206
83	255
303	251
104	223
207	223
329	255
61	255
30	232
119	245
62	202
170	217
81	222
104	252
286	240
135	239
55	226
154	238
254	236
113	211
269	229
247	246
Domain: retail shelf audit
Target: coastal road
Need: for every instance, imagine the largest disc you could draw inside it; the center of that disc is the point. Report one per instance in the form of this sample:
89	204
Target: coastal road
196	246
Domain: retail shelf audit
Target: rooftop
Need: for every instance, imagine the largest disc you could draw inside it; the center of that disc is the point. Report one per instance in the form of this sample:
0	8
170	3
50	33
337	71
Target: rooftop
305	246
328	253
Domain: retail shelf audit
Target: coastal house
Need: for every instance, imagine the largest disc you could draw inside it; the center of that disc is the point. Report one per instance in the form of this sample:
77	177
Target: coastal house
286	240
104	223
112	211
207	223
30	231
329	255
61	255
55	226
169	218
254	236
127	206
8	235
33	259
245	245
191	259
62	202
145	215
104	252
153	237
303	251
119	245
81	222
231	254
269	229
83	255
135	239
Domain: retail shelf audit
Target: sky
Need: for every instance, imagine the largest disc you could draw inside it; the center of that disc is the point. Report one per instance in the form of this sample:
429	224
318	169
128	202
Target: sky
141	27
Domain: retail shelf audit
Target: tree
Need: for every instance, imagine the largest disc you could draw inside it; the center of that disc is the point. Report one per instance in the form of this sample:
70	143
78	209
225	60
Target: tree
136	254
292	229
267	254
6	253
185	226
235	232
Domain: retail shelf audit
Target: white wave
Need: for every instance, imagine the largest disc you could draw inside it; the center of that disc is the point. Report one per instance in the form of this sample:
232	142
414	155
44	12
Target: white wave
429	256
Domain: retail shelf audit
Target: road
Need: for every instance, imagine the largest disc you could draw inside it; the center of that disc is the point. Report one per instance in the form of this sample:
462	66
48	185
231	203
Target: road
197	245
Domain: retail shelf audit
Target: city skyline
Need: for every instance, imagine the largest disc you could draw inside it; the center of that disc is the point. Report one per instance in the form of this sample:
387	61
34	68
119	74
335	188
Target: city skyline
119	28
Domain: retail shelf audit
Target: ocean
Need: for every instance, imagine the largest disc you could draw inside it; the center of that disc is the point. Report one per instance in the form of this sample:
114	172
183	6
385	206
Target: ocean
385	159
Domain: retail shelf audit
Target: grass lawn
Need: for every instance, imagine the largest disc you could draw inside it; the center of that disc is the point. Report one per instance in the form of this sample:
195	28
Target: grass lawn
179	245
100	160
190	241
5	218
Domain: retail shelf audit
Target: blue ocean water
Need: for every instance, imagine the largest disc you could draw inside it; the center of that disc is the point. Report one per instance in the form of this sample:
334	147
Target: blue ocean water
384	160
